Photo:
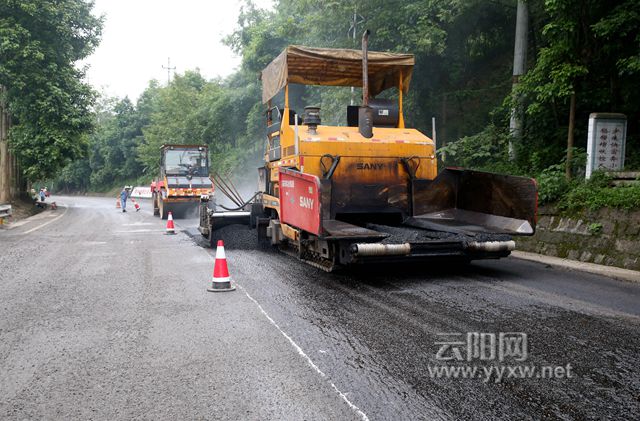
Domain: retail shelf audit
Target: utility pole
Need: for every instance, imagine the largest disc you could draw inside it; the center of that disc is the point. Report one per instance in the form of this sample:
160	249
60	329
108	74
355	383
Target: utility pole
353	32
5	157
168	69
519	68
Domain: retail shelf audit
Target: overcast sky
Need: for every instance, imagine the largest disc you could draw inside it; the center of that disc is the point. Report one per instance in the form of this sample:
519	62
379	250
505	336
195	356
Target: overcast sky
139	35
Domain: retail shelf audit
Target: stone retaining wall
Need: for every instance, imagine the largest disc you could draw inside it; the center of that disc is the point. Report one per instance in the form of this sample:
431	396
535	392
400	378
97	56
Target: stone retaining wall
608	236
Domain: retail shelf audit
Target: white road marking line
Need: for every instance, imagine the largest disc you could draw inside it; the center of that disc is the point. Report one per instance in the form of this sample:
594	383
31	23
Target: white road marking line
47	223
342	395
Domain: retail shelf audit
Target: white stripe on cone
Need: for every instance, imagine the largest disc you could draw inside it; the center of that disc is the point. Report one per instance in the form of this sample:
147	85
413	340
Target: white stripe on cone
221	279
170	218
221	256
220	253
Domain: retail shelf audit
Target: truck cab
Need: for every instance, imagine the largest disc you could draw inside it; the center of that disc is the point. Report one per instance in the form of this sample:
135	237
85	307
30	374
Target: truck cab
183	178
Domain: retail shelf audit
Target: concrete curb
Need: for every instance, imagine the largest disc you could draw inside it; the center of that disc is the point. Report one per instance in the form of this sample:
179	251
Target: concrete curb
20	222
44	214
609	271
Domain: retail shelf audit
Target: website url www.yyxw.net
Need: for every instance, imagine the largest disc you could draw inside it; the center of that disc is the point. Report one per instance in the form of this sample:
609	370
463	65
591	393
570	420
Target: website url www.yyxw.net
497	373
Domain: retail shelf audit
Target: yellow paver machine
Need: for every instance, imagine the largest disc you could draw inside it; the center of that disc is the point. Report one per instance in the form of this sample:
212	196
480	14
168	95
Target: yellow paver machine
370	191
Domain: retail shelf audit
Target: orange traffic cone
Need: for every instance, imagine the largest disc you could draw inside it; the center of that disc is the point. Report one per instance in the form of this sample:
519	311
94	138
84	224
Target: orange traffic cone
221	280
170	228
118	204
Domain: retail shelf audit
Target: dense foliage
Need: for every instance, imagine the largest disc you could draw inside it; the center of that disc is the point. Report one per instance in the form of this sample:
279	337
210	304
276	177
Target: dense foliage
464	53
125	148
40	43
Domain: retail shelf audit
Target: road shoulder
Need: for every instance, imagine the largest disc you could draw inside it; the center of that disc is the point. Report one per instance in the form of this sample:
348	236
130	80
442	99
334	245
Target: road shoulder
609	271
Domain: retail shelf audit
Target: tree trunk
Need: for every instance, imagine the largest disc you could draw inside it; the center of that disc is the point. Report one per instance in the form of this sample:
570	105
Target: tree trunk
572	122
519	66
5	159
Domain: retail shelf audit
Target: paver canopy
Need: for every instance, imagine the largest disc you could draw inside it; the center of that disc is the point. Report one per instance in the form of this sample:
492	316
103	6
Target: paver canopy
335	67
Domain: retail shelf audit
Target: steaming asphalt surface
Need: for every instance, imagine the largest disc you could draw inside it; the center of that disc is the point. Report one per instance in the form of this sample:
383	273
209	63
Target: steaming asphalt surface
102	316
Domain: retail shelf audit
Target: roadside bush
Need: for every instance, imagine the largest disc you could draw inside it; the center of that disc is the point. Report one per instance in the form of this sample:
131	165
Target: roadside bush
597	193
485	150
552	184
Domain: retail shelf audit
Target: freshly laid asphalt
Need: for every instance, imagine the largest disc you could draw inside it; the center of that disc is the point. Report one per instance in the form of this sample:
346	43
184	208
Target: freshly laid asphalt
103	316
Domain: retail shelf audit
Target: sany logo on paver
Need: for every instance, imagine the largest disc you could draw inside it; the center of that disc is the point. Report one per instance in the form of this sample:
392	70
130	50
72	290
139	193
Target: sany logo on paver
306	202
369	166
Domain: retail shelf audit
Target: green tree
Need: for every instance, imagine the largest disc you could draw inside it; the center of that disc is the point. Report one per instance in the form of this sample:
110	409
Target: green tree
174	118
463	58
588	62
113	146
40	44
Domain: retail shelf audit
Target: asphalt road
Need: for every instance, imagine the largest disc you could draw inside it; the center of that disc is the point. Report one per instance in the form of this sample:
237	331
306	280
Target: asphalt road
103	316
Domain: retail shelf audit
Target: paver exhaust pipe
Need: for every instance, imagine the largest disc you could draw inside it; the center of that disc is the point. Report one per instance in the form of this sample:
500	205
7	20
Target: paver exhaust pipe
365	113
492	246
379	249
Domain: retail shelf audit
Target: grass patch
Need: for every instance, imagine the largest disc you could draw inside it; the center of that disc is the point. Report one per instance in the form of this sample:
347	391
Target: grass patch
593	196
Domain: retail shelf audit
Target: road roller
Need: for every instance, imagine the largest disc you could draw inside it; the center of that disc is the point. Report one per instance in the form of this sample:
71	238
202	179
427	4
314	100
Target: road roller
183	179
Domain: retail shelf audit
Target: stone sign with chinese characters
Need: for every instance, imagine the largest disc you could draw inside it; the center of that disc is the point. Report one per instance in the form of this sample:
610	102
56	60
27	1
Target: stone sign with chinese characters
606	142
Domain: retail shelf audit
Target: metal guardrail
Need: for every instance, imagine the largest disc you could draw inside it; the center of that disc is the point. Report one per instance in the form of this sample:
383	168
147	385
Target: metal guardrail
5	211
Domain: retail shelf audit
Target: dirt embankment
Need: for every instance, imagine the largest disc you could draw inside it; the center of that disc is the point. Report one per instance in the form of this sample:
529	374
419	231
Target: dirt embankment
21	209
